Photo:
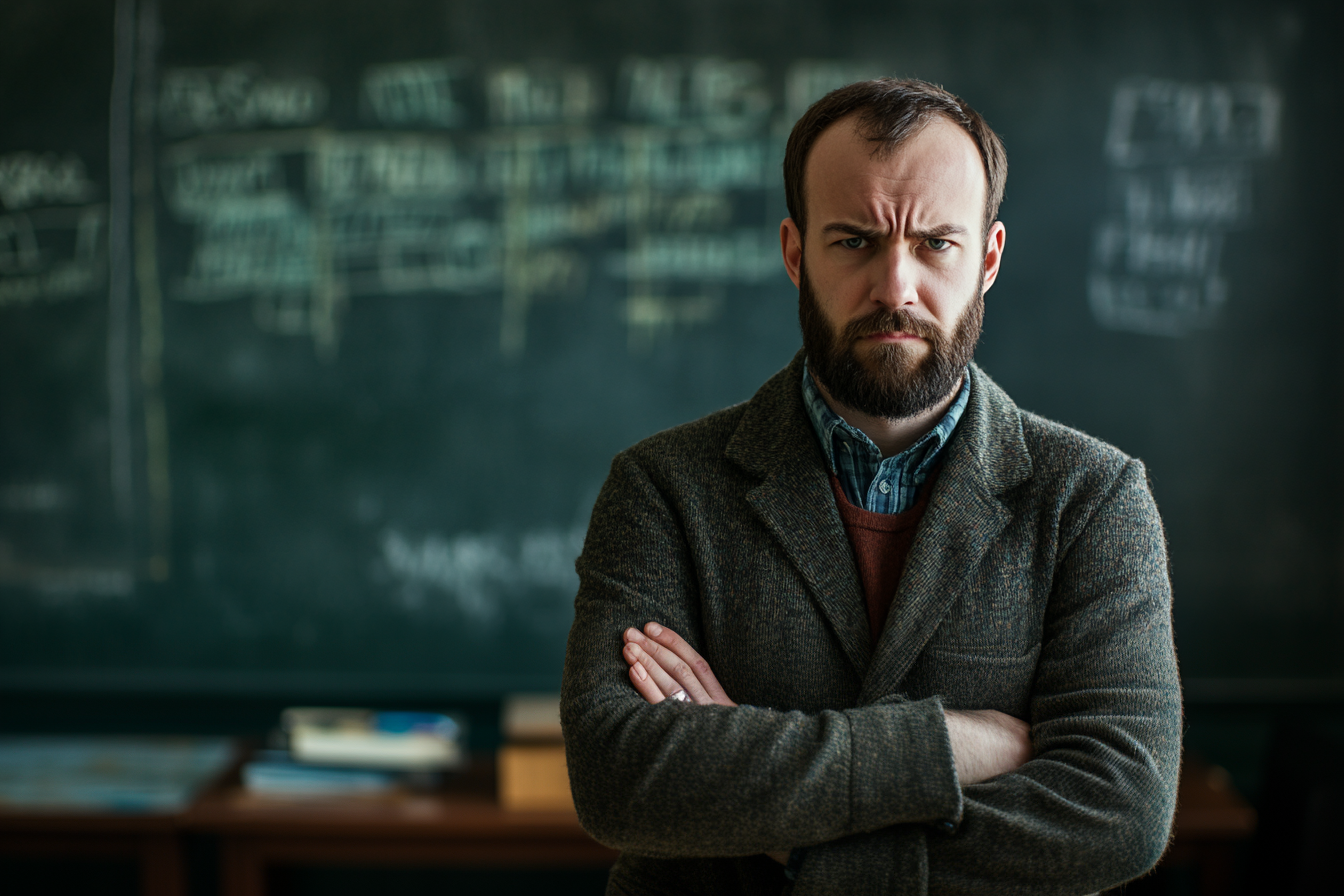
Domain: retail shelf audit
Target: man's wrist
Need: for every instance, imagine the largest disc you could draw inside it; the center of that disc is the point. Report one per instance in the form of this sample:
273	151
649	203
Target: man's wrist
908	770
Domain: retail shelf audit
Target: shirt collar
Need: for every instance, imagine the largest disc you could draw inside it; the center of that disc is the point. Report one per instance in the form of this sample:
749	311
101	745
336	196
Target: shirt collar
922	455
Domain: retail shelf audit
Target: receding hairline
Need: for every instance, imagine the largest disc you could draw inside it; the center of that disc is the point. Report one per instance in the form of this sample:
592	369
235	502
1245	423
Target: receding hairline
890	110
884	148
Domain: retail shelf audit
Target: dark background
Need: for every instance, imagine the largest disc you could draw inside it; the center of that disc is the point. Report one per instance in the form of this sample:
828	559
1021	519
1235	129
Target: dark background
292	462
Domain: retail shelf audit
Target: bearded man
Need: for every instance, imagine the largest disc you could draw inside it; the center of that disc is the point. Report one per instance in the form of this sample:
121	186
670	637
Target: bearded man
877	629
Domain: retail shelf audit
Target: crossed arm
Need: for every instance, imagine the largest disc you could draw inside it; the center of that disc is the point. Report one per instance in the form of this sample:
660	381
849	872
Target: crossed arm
985	743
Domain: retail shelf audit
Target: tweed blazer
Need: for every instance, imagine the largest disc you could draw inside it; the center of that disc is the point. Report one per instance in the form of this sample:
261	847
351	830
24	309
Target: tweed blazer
1037	585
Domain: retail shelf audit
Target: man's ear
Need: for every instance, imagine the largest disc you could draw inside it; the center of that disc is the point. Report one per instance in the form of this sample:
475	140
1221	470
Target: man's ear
791	244
993	254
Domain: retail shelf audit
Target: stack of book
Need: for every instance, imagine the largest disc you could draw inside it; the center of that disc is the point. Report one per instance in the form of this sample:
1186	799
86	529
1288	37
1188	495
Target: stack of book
112	774
532	771
344	752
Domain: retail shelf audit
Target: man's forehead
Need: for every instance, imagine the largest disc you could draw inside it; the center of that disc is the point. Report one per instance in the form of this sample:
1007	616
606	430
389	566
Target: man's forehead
938	170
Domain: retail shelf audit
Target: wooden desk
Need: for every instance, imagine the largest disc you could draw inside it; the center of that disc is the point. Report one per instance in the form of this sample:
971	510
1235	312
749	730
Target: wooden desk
463	826
151	840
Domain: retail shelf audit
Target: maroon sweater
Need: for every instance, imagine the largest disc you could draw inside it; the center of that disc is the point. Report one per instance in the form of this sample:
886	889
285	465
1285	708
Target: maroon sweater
881	542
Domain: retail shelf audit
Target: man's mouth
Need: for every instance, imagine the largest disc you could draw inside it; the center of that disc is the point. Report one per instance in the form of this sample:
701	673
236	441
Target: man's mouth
890	336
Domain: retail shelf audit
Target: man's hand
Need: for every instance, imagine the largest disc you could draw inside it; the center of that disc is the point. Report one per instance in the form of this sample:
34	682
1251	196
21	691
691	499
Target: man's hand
986	743
662	663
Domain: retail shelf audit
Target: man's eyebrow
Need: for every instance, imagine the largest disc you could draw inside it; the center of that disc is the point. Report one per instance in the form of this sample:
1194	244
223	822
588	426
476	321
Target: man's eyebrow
849	228
938	231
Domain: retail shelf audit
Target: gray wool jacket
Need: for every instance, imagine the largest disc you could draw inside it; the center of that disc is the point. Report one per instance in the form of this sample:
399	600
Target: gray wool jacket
1037	585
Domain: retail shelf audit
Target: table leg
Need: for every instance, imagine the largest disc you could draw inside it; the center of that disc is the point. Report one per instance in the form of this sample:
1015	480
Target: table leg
161	867
243	869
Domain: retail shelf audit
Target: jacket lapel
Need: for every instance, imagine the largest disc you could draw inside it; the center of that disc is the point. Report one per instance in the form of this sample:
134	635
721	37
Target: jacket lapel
986	455
775	441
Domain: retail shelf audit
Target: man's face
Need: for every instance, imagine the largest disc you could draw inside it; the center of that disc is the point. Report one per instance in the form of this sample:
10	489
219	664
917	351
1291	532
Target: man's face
893	271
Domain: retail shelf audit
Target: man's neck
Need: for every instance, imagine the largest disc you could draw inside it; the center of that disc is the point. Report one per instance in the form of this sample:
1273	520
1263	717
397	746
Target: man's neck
892	435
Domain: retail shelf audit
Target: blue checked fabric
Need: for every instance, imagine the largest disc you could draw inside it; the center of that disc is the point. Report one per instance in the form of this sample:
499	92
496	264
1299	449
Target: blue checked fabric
869	481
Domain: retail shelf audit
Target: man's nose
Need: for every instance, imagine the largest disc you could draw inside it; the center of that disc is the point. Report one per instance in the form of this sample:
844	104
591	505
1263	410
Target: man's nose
894	278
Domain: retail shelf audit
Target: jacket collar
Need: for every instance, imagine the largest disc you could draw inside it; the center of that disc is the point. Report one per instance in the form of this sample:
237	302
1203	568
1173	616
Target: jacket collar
775	434
986	456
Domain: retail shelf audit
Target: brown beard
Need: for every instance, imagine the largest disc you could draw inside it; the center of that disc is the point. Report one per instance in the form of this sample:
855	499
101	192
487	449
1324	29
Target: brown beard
893	383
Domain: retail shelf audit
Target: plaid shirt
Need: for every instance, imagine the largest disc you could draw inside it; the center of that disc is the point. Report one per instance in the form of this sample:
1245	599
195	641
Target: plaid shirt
881	485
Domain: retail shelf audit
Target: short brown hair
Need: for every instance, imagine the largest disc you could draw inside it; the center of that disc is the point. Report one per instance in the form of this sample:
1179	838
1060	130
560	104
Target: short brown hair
890	112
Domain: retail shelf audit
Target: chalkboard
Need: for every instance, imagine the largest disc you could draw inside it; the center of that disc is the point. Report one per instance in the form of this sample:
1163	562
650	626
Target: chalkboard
320	322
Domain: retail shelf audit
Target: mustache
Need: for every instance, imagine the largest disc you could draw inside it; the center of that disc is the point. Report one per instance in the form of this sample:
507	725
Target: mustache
883	320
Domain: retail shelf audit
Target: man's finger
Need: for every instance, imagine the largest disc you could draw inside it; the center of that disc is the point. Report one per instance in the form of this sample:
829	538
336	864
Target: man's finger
695	663
669	681
639	676
644	684
671	664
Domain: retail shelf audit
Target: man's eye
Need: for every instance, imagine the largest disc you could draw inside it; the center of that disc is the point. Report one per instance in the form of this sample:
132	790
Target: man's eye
936	244
854	242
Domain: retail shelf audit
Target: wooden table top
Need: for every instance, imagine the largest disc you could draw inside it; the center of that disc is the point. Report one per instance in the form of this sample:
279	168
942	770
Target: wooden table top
1209	810
465	808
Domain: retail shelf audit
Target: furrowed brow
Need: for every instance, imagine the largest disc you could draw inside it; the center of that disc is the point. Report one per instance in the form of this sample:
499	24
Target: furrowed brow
848	228
938	231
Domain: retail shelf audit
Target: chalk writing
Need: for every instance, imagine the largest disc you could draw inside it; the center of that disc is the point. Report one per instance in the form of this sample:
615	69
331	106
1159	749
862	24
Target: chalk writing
528	181
481	575
652	317
744	256
564	220
1219	194
521	95
196	187
243	246
52	244
28	179
52	254
240	97
1156	121
425	93
1181	157
347	167
416	250
722	95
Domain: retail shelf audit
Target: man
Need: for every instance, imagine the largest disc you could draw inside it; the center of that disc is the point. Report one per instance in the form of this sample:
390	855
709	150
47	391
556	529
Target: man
877	629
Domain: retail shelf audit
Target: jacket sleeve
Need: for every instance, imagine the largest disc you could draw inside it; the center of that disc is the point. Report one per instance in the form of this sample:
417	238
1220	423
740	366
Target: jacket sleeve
676	779
1094	807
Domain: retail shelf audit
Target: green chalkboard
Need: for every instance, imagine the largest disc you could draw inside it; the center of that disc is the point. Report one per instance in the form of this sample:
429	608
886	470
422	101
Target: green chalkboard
321	321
